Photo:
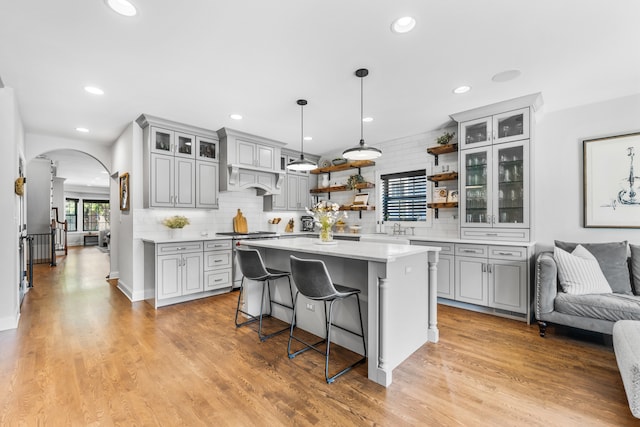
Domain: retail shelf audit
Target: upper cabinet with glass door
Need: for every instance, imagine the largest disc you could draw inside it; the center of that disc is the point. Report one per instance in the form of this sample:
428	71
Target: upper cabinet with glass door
503	127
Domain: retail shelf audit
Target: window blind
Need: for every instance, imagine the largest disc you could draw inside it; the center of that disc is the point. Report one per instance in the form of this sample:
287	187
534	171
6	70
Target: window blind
404	196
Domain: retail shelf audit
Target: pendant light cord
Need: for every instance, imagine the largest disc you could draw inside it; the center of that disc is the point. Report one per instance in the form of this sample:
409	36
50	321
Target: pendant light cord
361	110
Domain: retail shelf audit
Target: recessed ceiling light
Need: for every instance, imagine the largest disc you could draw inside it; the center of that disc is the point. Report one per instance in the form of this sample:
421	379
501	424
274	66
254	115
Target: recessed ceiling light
308	138
505	76
462	89
403	25
367	119
83	130
235	116
123	7
94	90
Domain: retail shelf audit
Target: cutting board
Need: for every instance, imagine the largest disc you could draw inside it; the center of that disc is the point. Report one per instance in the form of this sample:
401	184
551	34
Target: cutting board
240	223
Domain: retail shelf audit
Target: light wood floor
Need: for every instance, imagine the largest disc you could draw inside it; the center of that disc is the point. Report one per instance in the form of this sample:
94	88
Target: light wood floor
83	354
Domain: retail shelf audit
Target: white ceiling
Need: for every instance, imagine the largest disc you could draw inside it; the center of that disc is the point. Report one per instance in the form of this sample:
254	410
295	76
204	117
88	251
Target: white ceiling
198	61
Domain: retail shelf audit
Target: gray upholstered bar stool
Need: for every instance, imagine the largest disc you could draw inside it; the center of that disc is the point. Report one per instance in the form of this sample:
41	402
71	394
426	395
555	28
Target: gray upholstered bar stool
313	281
253	268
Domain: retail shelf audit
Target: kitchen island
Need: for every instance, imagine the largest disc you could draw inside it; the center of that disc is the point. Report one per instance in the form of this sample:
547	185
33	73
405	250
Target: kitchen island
398	292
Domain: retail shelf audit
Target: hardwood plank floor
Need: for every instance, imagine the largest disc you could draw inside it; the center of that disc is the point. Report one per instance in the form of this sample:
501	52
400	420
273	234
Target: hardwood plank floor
83	354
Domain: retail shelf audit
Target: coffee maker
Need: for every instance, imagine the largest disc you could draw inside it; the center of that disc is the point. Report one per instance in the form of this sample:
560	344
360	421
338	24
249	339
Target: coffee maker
307	223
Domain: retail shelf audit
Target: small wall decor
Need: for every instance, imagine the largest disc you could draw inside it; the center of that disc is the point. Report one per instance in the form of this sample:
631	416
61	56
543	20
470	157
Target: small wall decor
19	186
611	182
124	192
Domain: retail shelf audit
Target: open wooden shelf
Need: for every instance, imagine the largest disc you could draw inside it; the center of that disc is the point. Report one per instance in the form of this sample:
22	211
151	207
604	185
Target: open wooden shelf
346	166
443	149
361	186
358	208
448	176
442	205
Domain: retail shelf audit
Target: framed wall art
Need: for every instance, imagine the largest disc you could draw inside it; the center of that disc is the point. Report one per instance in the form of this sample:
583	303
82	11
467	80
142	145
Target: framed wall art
124	192
611	182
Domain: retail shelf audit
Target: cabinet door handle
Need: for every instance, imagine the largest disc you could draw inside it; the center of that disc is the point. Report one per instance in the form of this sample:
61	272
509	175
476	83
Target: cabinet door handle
506	253
489	268
179	248
484	267
492	234
218	280
217	260
472	251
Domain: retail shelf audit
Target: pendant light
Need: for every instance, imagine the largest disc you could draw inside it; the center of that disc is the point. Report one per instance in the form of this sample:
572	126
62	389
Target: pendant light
362	151
301	164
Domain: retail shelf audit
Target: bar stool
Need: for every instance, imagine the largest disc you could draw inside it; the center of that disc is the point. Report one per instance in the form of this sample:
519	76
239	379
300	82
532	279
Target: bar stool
253	268
313	281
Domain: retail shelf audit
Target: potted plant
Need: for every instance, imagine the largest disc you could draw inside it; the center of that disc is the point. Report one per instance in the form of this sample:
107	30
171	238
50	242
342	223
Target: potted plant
176	222
445	138
354	180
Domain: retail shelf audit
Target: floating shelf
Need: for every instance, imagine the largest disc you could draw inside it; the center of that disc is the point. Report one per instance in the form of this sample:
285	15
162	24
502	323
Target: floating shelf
448	176
442	149
356	164
361	186
358	208
436	206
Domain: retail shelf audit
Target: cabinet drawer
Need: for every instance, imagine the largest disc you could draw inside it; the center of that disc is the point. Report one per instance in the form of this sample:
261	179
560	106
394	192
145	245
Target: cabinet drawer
446	248
472	250
507	252
178	248
495	234
215	245
215	260
217	279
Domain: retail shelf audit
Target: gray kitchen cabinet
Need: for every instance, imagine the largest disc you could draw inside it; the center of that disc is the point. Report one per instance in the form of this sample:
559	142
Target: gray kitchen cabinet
496	173
180	165
256	155
493	276
179	270
217	265
207	176
295	194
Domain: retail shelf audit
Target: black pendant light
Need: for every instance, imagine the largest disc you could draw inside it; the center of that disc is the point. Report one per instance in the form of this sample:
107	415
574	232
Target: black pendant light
362	151
301	164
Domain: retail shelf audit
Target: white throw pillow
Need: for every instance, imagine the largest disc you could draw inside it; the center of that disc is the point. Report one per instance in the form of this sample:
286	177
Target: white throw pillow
579	272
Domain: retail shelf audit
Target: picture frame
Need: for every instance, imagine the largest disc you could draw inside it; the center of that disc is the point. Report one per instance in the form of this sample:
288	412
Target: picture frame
452	196
360	199
611	181
125	192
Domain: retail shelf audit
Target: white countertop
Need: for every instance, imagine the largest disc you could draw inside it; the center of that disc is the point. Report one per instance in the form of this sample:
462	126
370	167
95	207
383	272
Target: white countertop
451	240
186	238
343	248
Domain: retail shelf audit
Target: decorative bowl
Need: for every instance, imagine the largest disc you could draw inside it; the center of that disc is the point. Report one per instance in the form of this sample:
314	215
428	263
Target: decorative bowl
340	161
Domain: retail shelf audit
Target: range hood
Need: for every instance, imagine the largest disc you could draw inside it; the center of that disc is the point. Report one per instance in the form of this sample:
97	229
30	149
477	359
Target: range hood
250	161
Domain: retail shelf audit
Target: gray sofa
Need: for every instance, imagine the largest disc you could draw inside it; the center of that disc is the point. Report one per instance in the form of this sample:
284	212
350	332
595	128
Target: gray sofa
592	312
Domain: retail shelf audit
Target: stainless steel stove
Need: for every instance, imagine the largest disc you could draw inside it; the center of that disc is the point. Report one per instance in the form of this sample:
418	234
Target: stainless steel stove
235	239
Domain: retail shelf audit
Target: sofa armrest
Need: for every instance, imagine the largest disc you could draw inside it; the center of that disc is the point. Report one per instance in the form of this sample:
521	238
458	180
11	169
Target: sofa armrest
546	284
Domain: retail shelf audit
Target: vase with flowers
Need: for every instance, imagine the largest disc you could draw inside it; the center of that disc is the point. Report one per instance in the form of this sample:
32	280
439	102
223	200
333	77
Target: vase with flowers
325	215
175	223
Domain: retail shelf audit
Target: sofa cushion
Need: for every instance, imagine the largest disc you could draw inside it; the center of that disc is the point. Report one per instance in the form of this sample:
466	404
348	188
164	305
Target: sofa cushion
579	272
612	258
635	267
611	307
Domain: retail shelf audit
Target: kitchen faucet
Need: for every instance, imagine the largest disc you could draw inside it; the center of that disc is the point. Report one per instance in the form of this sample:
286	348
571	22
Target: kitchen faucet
397	229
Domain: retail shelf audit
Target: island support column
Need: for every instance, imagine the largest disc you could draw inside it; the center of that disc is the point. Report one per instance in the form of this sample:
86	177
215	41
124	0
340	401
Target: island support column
434	333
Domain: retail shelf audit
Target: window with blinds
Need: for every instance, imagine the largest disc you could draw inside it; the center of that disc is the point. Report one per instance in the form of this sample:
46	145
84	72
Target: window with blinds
404	196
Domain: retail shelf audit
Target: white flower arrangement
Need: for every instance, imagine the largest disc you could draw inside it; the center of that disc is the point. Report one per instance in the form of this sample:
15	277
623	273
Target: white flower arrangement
325	214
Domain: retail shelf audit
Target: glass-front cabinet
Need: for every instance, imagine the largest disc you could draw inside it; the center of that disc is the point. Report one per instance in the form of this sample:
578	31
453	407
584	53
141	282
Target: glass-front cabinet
504	127
496	186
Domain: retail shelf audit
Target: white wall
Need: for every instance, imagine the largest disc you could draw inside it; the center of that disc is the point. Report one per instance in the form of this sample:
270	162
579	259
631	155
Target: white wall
37	144
558	169
12	137
38	195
